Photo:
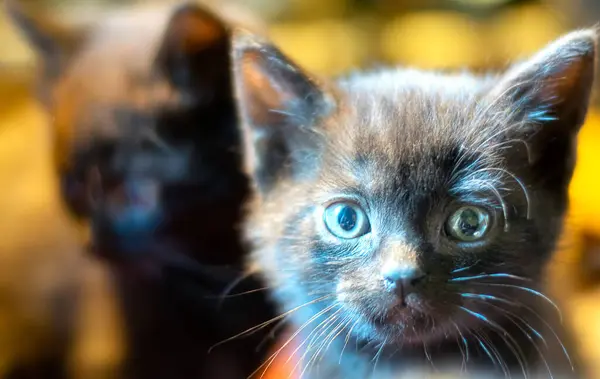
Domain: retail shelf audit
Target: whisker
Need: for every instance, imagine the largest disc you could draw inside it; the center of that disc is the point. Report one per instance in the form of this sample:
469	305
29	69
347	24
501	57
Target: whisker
340	332
317	352
273	356
488	353
465	351
521	184
536	347
484	276
497	354
377	356
511	343
512	317
332	336
533	311
465	268
519	140
271	334
310	339
427	355
263	324
231	286
462	353
348	334
238	294
324	327
489	297
526	289
502	203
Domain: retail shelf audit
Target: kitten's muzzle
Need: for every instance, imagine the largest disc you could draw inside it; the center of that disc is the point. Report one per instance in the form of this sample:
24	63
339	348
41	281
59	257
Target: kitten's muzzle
402	280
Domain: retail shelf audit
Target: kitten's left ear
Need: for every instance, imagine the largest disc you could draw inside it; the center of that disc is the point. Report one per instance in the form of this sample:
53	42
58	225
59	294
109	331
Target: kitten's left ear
556	82
194	54
550	92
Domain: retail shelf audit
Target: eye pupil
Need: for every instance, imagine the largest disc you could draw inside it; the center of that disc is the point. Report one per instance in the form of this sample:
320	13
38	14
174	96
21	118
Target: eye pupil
347	218
468	223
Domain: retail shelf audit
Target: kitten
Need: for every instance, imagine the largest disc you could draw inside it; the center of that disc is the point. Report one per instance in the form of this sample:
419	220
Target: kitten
404	218
146	148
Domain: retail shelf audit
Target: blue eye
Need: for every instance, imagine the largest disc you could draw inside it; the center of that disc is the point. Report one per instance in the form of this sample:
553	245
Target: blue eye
346	220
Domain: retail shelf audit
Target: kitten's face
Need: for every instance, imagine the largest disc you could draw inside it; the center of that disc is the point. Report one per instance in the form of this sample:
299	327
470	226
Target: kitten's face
399	201
146	133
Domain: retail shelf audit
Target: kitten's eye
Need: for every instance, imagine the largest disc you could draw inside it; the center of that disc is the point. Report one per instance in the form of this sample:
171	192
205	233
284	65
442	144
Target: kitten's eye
468	224
346	220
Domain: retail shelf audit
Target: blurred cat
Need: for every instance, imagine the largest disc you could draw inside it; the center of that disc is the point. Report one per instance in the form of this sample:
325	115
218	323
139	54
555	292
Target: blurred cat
147	152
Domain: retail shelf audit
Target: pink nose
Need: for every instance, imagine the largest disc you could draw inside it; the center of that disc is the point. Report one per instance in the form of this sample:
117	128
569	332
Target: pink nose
402	280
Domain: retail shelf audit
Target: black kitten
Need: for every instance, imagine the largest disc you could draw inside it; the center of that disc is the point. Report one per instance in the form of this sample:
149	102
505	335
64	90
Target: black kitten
405	217
147	150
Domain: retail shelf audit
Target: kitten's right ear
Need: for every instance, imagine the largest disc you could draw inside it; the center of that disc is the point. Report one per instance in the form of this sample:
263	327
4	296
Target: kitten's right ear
52	41
280	108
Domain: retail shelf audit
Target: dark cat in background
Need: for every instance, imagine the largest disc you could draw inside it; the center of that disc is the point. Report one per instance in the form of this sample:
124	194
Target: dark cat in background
147	150
404	218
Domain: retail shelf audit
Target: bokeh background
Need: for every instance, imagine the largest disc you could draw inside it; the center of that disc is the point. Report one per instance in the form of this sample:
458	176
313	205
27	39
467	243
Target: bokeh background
41	264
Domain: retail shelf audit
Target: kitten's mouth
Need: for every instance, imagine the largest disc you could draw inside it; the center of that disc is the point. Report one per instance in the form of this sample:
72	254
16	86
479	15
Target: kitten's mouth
408	329
406	323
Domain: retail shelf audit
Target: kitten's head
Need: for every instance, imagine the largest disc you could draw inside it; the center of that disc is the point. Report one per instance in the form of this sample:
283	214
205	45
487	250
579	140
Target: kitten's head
144	122
402	199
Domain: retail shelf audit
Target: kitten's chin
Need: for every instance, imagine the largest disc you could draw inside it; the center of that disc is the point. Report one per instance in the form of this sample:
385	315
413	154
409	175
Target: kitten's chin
402	326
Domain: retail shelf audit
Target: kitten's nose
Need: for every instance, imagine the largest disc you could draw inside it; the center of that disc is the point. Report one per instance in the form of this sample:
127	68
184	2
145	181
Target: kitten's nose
402	279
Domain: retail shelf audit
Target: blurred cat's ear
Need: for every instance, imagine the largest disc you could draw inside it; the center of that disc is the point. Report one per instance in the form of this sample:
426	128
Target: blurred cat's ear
550	93
280	106
194	54
54	42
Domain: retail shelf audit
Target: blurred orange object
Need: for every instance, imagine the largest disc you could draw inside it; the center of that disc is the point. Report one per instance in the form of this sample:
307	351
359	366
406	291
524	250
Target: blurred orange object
283	365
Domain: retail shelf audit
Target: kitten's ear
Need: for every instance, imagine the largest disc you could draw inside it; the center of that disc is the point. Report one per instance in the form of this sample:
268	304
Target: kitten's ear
194	54
551	93
51	40
556	82
280	108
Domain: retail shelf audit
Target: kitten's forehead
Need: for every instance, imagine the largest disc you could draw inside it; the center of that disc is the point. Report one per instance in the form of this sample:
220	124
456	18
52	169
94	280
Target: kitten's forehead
408	100
406	126
402	113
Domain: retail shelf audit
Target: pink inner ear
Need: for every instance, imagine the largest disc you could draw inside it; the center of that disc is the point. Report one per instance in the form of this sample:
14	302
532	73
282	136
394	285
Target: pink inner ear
259	93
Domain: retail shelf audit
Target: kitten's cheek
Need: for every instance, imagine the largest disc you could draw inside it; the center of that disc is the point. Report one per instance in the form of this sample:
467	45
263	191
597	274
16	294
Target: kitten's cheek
341	291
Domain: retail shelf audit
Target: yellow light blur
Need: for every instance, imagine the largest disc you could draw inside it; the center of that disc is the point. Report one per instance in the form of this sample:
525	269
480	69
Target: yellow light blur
585	203
523	30
433	39
327	46
482	3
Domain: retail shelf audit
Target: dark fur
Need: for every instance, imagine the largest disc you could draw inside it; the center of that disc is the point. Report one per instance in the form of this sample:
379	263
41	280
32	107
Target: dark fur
409	147
147	151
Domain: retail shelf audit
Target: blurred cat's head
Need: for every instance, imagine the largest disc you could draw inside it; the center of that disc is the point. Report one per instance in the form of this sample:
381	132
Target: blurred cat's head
145	128
400	200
